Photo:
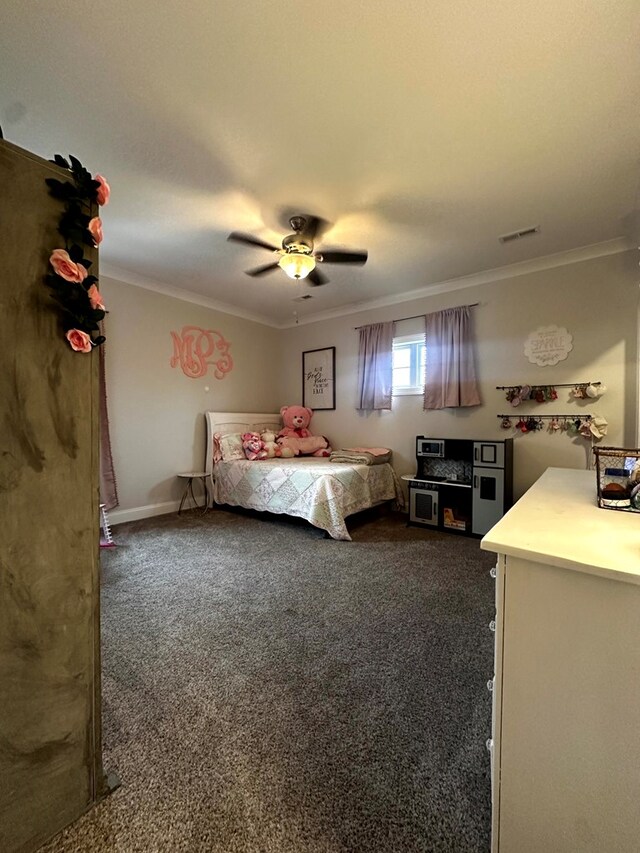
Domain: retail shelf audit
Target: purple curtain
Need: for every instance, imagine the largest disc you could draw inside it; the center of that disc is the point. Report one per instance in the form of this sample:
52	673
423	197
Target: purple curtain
450	375
108	485
375	366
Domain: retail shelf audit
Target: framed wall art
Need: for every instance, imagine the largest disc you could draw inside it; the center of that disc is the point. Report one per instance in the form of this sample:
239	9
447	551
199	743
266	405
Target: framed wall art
548	345
318	378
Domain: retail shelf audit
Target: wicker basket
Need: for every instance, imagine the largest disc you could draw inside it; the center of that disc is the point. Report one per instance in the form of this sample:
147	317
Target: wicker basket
618	478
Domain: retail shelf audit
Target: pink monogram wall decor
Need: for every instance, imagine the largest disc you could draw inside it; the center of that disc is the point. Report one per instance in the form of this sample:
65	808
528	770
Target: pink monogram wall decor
196	349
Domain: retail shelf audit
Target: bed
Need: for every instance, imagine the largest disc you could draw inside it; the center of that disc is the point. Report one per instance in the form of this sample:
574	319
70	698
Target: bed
322	492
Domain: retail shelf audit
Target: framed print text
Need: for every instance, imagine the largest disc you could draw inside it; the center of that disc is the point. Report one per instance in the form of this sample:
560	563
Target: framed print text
318	378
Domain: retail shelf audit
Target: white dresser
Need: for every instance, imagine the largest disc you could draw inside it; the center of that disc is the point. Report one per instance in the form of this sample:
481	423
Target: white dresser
565	743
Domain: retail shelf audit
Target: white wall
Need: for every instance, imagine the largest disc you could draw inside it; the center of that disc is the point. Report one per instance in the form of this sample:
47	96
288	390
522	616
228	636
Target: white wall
156	412
597	301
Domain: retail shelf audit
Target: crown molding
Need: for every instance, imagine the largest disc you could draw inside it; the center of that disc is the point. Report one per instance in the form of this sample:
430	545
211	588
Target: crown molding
545	262
108	270
571	256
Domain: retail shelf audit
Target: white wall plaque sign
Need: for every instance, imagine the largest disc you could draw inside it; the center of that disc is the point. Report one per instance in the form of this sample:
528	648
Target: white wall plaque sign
548	345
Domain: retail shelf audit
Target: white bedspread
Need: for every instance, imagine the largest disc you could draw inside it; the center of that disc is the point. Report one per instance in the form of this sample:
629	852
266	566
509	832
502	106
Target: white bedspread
322	492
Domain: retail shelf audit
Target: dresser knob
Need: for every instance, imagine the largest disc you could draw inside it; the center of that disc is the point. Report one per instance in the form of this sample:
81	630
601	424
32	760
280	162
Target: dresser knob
492	625
489	744
494	572
490	685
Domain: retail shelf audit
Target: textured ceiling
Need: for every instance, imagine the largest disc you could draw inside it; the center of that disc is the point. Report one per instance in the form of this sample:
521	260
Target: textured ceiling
422	130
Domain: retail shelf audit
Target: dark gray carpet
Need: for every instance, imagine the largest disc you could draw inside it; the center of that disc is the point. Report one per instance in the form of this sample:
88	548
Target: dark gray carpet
267	690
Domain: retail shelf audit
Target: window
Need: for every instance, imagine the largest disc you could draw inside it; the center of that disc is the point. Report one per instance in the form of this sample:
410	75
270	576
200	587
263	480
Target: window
408	364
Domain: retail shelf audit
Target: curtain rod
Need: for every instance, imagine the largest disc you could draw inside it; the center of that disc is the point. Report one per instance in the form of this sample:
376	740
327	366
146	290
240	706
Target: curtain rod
417	316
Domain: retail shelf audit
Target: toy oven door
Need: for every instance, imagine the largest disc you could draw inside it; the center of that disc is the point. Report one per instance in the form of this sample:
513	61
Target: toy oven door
423	504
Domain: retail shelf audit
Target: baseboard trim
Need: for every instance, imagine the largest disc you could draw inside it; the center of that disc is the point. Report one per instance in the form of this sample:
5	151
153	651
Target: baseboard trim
119	516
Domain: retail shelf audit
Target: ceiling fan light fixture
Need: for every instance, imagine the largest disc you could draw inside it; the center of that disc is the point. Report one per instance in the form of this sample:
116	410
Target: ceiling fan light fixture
297	265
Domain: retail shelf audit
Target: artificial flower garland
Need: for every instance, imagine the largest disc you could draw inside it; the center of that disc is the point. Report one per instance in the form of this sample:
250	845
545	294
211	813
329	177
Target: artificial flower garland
72	286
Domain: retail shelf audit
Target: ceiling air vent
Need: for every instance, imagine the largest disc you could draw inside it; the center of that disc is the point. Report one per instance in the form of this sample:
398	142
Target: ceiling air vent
516	235
302	298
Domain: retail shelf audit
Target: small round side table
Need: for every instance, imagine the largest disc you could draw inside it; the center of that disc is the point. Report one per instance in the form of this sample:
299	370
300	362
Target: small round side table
190	476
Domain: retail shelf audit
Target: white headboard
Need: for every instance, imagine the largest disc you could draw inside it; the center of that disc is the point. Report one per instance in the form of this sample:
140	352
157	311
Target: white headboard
225	422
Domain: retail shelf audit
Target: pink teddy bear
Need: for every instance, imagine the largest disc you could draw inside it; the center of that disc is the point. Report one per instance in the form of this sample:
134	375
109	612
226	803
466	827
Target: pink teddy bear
253	446
296	420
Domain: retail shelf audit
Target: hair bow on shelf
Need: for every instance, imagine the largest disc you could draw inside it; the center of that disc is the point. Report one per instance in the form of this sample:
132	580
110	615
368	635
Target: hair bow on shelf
589	426
516	394
529	424
582	390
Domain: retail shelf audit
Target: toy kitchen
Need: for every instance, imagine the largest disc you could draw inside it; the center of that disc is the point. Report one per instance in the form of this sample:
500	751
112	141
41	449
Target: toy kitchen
461	485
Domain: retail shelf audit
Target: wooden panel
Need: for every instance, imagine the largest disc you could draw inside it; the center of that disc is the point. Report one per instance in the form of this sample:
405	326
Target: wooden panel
50	763
570	745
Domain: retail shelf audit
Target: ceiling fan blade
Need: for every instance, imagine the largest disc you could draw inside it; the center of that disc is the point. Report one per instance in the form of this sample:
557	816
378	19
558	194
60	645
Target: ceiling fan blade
262	270
250	240
316	278
337	256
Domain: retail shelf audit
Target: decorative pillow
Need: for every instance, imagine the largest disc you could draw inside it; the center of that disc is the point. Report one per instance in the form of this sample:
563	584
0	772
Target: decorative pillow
227	448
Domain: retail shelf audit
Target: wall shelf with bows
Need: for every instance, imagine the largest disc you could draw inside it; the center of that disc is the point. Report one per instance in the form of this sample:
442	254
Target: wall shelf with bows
516	394
589	426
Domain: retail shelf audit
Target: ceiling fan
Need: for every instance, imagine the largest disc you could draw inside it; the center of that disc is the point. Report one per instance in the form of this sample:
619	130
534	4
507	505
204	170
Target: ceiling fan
297	256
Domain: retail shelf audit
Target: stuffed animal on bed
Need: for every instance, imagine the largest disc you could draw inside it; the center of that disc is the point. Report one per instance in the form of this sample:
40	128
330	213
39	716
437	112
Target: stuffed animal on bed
253	446
310	445
269	441
296	420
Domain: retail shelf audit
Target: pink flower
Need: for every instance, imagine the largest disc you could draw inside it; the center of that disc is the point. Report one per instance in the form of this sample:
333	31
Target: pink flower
104	190
80	341
95	229
66	268
95	298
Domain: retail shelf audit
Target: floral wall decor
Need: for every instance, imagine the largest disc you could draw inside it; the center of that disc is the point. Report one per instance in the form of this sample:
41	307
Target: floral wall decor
548	345
196	349
73	288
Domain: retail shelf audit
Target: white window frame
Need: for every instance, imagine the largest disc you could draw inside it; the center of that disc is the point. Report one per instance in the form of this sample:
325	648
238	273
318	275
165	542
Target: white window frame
410	390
